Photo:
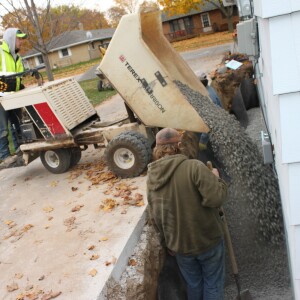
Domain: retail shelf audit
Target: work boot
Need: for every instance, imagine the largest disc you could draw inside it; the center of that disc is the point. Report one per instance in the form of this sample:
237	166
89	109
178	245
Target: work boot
9	160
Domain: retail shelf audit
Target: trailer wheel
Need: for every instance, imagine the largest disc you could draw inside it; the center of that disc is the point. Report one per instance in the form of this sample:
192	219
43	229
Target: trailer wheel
126	155
143	139
75	156
56	161
100	85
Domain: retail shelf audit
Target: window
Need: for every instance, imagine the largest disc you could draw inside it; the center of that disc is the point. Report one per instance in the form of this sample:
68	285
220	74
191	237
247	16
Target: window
205	20
64	52
181	24
188	24
174	26
40	59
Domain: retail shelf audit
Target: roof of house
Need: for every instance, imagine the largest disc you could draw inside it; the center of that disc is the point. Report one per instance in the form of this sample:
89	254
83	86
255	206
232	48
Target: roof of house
73	38
207	6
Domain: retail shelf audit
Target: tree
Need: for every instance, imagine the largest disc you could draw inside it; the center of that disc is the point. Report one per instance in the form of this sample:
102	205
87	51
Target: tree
174	7
42	24
151	4
115	14
123	7
130	6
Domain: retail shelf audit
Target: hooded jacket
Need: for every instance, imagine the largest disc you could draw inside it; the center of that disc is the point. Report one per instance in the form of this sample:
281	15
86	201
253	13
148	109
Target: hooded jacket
13	62
183	196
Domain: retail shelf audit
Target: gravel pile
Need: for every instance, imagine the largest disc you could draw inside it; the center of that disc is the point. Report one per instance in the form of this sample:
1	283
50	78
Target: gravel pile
253	209
242	163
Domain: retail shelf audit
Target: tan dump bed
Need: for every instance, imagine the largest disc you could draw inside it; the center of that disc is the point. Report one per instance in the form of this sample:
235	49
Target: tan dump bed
142	66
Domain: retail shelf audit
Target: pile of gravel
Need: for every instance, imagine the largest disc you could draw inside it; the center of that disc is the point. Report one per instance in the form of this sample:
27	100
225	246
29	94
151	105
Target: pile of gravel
243	164
253	208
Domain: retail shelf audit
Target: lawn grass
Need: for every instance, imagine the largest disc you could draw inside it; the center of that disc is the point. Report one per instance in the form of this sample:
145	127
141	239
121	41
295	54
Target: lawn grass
91	91
206	40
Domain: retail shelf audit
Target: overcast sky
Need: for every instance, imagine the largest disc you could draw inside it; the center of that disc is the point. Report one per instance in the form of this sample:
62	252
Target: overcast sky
101	5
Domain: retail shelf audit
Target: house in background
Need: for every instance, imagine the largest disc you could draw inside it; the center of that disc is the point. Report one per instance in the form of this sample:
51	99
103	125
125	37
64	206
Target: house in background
71	47
207	19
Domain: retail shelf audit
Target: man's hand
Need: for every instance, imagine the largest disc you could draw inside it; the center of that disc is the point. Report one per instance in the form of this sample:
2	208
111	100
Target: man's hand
214	170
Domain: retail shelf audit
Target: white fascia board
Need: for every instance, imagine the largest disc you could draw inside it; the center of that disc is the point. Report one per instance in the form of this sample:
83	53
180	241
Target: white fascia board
273	8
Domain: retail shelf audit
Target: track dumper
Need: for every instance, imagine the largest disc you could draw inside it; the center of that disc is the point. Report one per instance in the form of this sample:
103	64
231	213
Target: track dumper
58	122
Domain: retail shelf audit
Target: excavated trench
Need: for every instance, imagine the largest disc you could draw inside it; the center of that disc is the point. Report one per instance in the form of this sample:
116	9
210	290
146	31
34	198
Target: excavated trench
253	211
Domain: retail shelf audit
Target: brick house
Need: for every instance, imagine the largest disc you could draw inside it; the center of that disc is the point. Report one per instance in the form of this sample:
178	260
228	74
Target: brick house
71	47
207	19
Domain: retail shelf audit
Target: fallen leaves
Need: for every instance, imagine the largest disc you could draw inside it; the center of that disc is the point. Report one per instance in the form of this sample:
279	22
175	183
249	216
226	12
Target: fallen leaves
12	287
77	208
94	257
108	204
132	262
50	295
93	272
38	294
10	223
112	261
53	183
48	209
70	223
18	275
18	233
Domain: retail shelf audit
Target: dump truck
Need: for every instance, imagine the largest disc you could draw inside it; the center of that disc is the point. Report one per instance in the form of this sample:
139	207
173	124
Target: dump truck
58	121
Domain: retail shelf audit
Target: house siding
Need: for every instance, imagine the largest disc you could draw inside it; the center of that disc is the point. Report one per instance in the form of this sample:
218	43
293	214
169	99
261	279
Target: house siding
279	70
80	53
217	23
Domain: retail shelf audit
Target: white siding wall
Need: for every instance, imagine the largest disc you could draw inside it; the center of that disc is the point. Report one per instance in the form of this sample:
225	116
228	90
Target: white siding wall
279	25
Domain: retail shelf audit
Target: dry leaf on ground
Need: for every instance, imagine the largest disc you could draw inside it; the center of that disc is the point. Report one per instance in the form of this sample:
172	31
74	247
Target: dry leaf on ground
132	262
12	287
50	295
70	223
18	275
77	207
94	257
93	272
48	209
108	204
53	183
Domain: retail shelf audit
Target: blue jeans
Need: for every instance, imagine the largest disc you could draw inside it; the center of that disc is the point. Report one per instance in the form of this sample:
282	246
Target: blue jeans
204	274
5	117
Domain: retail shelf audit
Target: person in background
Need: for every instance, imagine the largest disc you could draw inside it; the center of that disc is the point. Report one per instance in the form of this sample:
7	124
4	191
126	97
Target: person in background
211	91
10	62
184	196
203	138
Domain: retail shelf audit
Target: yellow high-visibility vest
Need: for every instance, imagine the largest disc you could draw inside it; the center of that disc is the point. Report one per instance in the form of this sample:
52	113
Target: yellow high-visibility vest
8	65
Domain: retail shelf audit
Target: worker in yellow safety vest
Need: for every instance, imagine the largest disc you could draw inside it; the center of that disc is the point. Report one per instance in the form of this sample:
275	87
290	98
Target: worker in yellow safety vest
10	63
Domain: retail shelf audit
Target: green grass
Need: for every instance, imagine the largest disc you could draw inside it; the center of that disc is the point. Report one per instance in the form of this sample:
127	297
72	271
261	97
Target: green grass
11	145
91	91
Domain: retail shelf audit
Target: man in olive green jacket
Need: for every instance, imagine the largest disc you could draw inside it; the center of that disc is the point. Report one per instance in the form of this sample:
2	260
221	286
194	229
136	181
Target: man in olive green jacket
10	63
184	197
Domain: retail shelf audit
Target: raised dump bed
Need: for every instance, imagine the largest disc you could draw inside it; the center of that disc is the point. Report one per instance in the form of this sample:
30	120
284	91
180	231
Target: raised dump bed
143	67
